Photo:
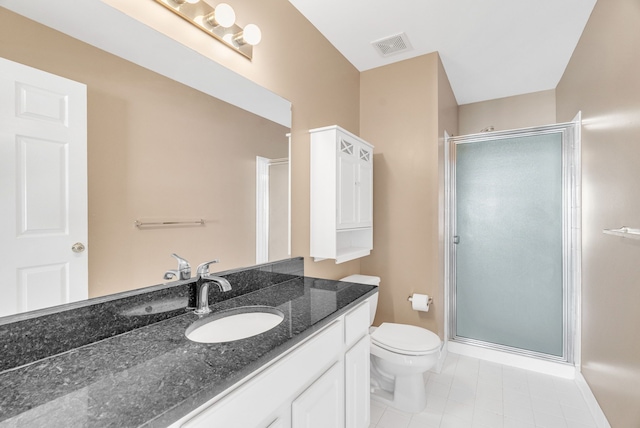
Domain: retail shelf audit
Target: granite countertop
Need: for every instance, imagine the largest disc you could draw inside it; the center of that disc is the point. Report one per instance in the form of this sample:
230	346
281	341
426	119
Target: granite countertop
153	375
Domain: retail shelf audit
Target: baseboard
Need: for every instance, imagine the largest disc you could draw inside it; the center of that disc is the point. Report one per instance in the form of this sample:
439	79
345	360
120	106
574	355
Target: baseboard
594	407
562	370
441	359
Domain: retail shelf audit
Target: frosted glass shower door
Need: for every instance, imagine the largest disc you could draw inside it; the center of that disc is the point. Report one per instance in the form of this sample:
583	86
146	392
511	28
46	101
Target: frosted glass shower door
509	235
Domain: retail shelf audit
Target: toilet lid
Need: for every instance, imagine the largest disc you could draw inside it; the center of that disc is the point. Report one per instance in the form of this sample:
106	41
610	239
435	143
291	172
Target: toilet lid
405	339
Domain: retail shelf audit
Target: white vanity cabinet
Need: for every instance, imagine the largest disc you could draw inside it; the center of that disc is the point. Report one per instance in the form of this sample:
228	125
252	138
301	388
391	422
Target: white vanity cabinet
322	404
341	195
356	365
304	388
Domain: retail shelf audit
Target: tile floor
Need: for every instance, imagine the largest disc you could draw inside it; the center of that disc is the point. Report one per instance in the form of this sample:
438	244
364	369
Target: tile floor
471	393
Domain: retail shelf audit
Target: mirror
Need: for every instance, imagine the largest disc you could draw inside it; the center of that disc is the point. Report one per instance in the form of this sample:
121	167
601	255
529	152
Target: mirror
158	150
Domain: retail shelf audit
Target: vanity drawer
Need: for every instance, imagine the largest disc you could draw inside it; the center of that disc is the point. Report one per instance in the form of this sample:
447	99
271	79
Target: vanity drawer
356	323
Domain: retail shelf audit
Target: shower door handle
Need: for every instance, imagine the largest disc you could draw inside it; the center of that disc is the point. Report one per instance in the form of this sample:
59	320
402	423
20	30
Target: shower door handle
456	239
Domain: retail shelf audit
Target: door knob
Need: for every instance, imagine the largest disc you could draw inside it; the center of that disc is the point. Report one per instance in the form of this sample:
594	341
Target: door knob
78	247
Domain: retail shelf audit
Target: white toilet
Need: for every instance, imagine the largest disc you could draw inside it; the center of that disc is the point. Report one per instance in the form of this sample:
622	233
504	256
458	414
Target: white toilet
400	355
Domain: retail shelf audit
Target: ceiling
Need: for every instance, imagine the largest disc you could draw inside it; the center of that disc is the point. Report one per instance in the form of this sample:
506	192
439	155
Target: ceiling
490	48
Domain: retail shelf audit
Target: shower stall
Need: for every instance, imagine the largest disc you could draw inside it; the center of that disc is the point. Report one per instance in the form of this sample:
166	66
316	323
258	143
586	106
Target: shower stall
512	223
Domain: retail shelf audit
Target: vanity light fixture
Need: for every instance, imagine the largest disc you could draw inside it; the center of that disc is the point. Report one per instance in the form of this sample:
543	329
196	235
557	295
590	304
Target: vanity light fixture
251	35
223	15
217	21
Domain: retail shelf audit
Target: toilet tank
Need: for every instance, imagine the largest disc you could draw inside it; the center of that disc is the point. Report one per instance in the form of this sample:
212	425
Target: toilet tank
369	280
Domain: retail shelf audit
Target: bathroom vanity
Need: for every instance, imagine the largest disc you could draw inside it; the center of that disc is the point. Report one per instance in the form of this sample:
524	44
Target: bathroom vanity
151	375
325	379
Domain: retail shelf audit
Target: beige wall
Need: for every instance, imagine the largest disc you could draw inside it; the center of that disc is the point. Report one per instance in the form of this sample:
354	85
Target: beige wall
129	104
399	105
520	111
602	80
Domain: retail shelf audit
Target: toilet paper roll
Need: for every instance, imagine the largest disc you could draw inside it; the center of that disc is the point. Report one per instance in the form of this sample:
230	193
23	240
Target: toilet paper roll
420	302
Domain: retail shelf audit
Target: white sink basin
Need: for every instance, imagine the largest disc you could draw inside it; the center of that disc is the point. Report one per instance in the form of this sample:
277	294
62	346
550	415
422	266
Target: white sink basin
234	324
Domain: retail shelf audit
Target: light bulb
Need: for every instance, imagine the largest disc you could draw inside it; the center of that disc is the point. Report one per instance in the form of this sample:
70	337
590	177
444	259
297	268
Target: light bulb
252	34
224	15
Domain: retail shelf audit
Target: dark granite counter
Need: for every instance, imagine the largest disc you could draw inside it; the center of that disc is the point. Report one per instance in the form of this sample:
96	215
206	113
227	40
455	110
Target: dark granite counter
152	375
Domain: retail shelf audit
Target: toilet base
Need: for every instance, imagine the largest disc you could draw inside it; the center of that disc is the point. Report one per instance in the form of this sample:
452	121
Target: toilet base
409	394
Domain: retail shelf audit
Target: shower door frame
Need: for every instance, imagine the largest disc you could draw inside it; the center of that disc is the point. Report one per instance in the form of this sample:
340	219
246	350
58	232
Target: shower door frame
571	236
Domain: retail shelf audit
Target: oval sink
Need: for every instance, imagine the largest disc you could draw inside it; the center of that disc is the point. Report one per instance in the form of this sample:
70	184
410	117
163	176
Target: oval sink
234	324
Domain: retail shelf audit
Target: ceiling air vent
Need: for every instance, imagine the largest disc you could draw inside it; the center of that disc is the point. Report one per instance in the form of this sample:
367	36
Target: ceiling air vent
392	45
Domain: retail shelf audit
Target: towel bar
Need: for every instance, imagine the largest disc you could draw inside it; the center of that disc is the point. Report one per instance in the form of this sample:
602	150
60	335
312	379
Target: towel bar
200	222
625	232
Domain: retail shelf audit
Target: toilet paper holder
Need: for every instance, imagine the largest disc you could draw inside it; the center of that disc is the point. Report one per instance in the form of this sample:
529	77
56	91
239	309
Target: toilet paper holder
429	302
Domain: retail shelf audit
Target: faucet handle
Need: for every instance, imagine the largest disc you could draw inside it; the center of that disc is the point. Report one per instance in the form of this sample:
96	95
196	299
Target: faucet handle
184	268
203	269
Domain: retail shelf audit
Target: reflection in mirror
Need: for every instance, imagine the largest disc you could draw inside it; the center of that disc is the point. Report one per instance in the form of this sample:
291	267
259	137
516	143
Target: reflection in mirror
272	209
157	150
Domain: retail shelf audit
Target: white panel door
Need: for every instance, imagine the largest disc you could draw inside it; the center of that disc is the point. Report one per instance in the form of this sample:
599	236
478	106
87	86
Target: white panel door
43	189
322	404
357	384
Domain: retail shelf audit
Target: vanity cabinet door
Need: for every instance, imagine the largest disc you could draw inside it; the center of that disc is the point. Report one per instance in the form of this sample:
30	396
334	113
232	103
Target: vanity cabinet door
322	404
357	384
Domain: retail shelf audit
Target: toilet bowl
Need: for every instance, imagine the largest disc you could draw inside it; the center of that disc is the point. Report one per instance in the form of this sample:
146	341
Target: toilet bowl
400	355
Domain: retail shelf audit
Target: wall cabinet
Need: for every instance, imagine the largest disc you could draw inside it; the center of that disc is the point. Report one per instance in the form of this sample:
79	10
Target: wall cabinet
305	388
341	195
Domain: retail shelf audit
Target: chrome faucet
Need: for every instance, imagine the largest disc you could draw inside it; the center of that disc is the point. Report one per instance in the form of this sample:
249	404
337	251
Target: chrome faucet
183	272
203	279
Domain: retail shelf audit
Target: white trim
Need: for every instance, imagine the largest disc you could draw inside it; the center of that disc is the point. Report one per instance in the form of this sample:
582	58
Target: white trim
577	213
447	236
262	210
594	408
563	370
263	205
289	202
444	351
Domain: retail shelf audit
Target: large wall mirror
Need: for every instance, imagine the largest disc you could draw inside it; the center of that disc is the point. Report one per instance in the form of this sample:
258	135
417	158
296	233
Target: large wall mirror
158	149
